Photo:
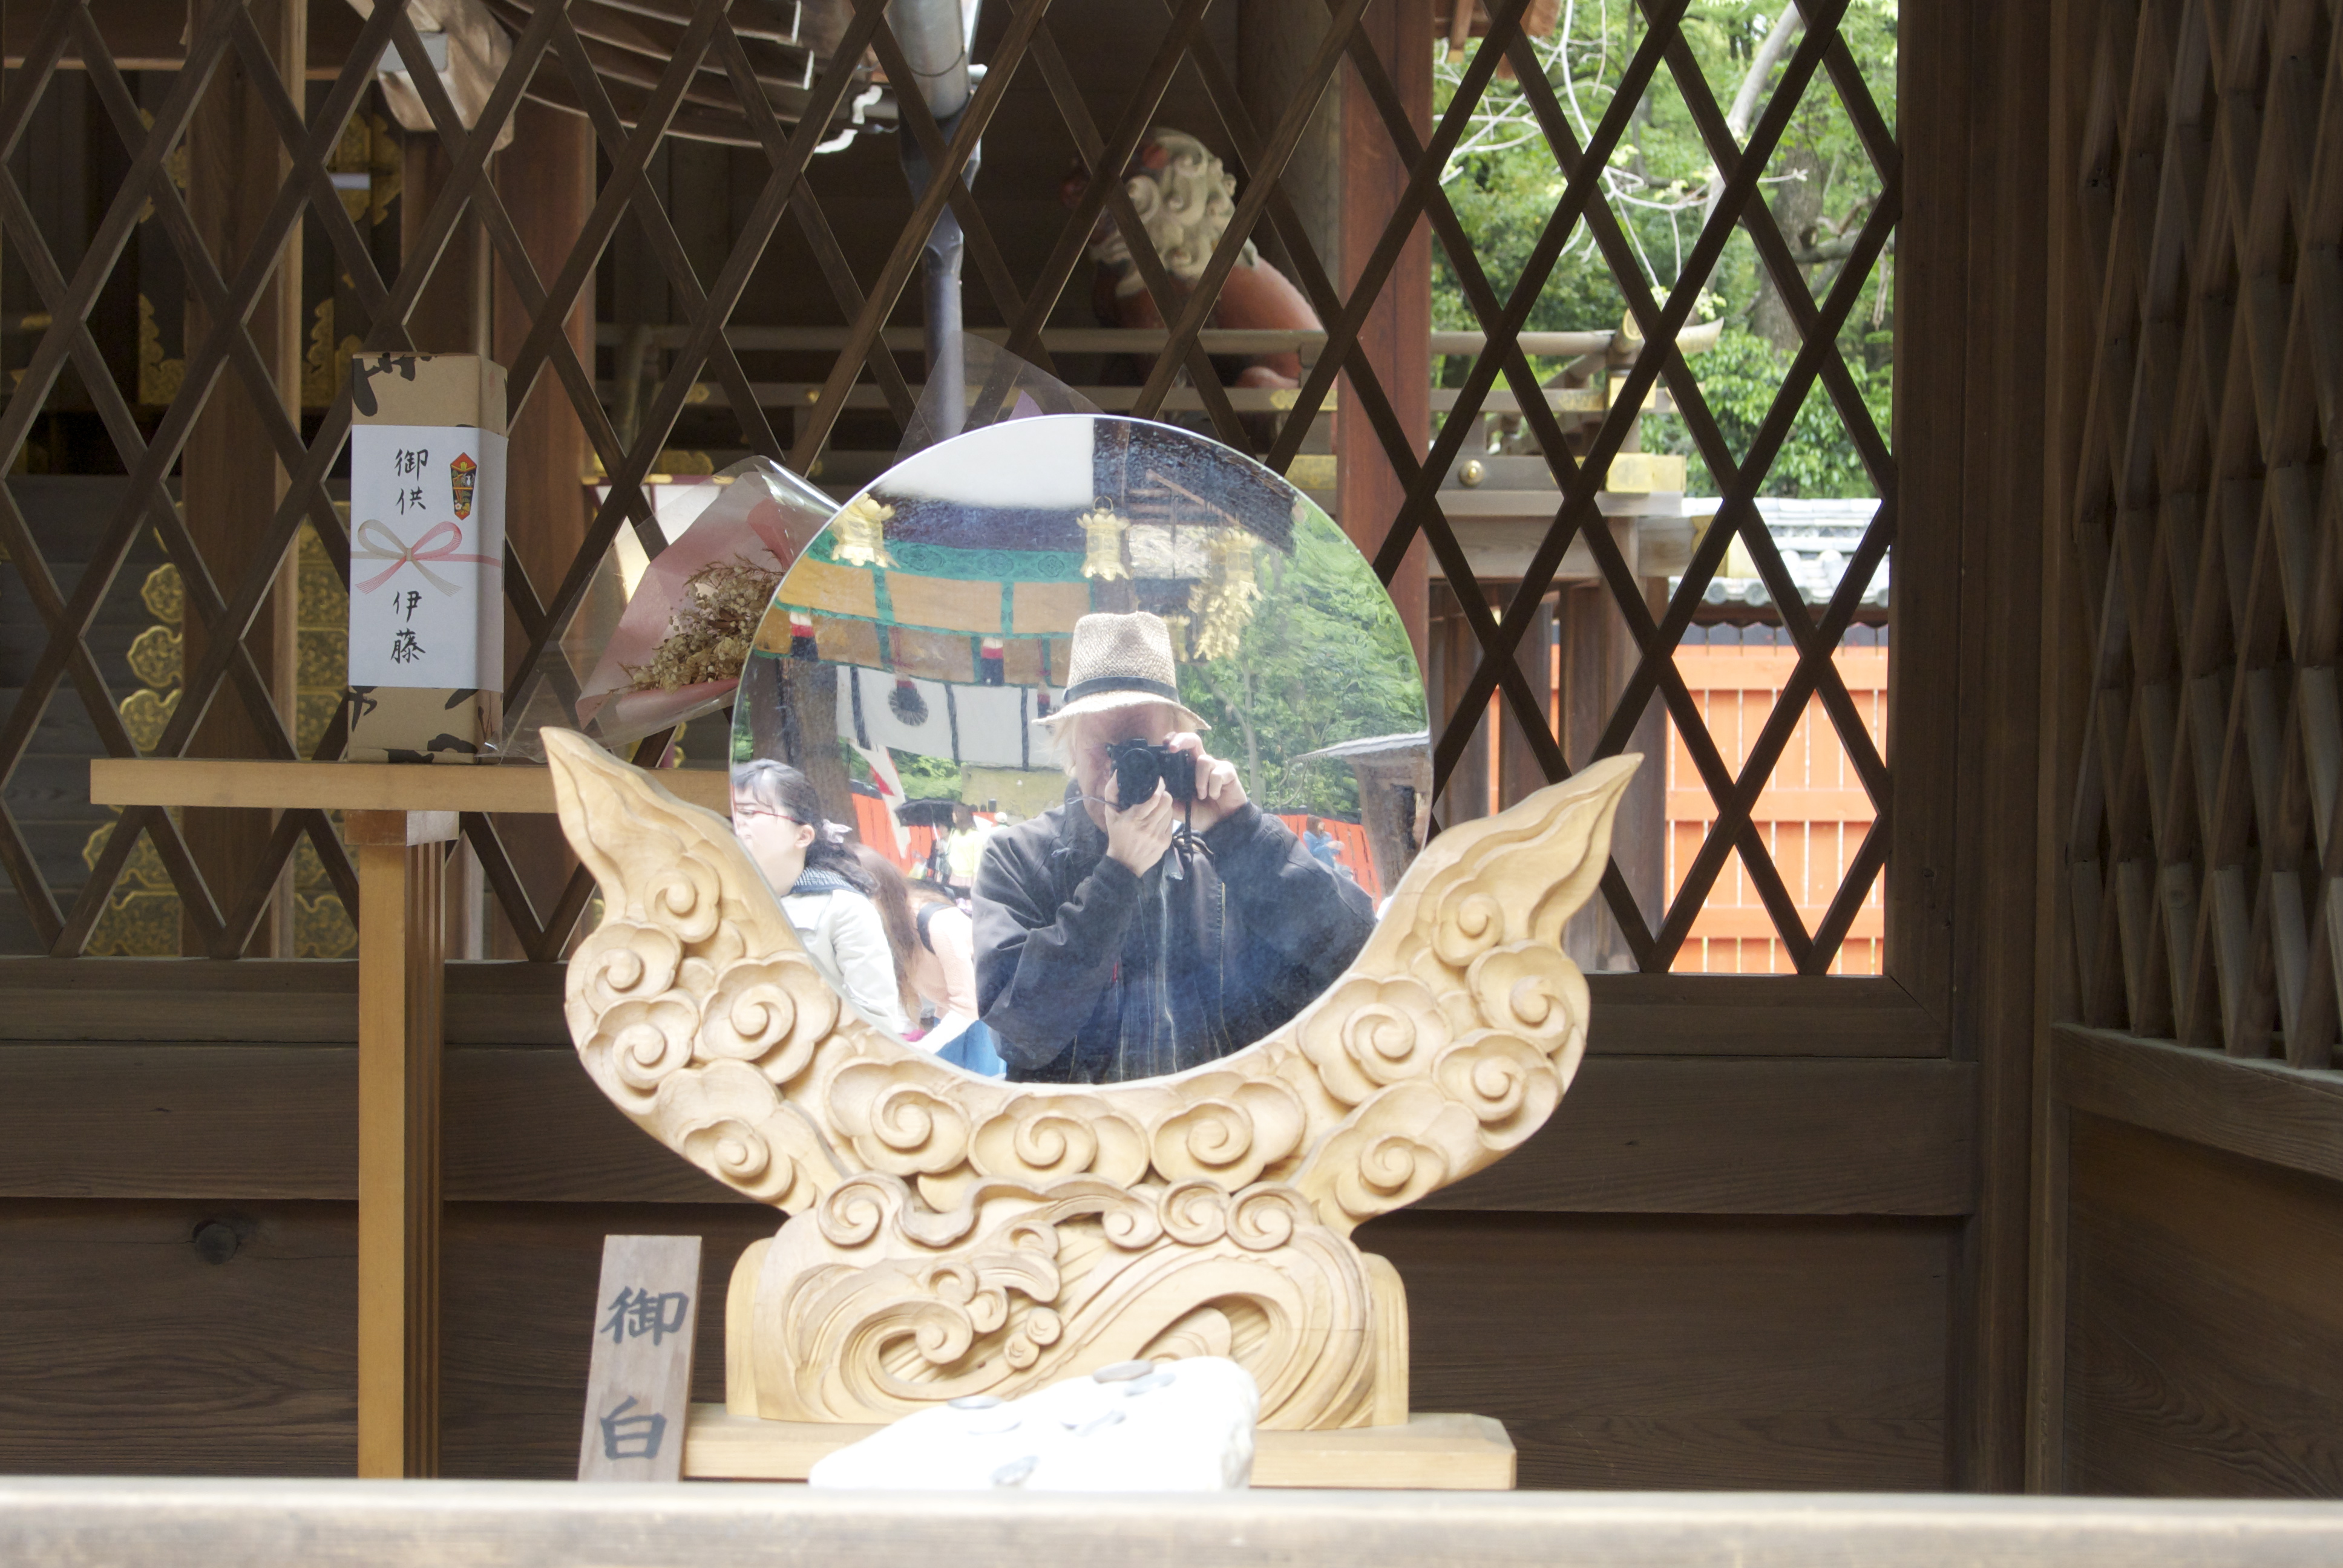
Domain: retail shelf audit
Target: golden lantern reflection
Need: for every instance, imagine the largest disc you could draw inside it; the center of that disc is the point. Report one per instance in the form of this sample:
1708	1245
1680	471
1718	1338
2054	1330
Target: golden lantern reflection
1225	600
1103	557
862	533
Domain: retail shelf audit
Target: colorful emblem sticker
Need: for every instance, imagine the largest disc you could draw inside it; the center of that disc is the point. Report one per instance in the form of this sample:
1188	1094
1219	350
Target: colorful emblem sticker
460	474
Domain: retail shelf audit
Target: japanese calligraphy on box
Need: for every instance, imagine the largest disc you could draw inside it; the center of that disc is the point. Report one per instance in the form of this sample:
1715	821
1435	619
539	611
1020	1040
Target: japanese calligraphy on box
426	557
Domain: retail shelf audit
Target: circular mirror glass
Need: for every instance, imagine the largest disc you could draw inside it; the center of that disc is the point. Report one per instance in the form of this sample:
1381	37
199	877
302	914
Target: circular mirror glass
1080	749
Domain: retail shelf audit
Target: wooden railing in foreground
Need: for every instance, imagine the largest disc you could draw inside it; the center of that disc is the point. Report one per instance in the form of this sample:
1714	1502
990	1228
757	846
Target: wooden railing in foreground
521	1524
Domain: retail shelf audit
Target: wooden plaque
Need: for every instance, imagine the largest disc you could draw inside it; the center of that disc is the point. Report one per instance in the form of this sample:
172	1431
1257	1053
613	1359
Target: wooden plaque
639	1393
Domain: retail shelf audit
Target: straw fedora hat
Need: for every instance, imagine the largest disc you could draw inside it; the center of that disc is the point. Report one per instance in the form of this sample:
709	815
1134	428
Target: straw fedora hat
1122	661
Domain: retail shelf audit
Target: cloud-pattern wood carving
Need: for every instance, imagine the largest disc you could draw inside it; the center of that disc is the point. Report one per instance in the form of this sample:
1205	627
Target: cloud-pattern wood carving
958	1234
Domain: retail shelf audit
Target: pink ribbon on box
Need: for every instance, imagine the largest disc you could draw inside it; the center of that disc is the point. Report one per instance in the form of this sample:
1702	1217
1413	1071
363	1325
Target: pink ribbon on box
375	542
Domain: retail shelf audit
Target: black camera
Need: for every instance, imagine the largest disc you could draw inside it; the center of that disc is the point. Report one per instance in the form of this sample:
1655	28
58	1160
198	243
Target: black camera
1140	767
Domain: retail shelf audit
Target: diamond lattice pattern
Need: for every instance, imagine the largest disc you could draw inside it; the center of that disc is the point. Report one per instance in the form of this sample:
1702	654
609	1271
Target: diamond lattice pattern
243	549
2202	851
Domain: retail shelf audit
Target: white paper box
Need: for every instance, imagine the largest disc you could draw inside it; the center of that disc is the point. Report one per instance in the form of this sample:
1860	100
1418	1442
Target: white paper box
427	559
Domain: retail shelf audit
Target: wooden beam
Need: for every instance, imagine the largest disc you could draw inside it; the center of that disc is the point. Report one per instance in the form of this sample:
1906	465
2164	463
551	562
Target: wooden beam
142	35
2071	291
546	180
2264	1110
144	1000
355	786
1758	1015
232	475
1396	336
402	948
1633	1136
1433	1453
1977	199
522	1524
309	1001
1727	1137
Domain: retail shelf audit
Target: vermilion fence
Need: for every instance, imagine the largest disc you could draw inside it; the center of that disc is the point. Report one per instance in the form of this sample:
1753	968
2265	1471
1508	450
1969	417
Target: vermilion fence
1814	811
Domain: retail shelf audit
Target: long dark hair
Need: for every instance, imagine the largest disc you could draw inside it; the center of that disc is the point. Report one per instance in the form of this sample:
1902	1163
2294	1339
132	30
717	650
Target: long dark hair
927	890
777	787
894	904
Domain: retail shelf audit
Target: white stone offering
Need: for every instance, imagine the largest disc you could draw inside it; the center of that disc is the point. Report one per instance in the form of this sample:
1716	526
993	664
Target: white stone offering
1137	1426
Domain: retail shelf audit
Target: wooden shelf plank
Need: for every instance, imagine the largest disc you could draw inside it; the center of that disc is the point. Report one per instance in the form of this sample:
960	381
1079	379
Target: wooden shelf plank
355	786
1433	1453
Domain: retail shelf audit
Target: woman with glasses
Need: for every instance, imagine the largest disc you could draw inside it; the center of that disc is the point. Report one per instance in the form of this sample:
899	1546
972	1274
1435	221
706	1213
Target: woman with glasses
823	890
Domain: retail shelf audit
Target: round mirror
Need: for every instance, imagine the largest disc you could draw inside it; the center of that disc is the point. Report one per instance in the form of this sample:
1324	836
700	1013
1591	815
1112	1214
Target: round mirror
1080	749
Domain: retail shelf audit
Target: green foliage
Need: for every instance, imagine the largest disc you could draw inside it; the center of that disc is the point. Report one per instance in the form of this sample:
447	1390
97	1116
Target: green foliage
1820	184
924	777
1323	660
1740	378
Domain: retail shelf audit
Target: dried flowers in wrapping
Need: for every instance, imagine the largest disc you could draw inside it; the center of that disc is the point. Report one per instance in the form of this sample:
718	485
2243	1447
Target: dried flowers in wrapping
688	626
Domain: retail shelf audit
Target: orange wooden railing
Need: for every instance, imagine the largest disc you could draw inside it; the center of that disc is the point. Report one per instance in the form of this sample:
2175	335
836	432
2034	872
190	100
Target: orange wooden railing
1813	813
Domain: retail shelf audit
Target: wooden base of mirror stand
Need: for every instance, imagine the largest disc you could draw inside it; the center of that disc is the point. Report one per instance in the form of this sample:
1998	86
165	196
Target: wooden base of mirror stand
1430	1453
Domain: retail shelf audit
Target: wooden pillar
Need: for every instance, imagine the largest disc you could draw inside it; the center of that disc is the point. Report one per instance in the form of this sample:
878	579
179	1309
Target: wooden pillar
1520	774
1639	832
545	179
401	978
1455	654
1396	338
1598	655
231	479
1275	40
451	316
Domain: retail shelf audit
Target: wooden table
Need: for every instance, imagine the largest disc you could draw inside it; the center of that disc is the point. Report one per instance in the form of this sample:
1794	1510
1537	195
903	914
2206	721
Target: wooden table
399	819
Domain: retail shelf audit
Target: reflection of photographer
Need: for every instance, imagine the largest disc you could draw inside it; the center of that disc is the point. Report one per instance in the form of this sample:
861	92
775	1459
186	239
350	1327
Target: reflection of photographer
1139	931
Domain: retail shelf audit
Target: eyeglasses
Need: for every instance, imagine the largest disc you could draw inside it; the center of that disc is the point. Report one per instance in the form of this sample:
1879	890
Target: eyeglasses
749	808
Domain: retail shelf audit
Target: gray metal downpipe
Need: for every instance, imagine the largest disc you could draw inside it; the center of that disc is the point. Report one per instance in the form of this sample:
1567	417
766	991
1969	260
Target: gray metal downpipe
934	36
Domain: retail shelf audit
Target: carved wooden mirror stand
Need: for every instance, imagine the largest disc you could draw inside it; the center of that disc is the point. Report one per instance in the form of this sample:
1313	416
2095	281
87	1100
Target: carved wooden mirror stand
954	1234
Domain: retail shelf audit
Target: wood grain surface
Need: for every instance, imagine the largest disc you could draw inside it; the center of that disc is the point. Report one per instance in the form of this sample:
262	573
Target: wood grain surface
1432	1451
2204	1353
1685	1352
1641	1134
282	1525
179	1339
1636	1135
299	1001
353	786
2265	1109
513	1387
501	1003
645	1322
1618	1351
1758	1015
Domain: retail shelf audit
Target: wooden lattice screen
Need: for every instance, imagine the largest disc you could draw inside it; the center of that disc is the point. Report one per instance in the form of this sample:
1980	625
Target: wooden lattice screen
2203	847
224	908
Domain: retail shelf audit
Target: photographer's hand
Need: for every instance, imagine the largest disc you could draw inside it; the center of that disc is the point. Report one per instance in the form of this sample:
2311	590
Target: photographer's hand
1217	790
1139	837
